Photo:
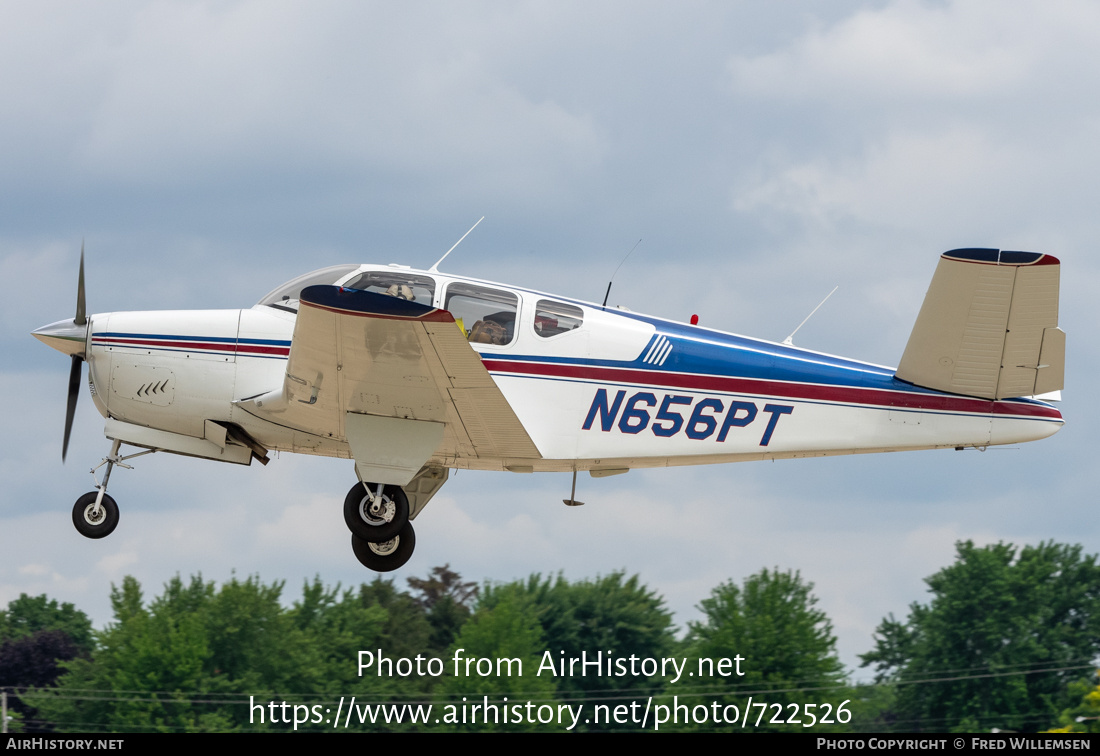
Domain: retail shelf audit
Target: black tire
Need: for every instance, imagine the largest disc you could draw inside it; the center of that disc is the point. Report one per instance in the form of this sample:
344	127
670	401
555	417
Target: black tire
90	527
368	527
394	552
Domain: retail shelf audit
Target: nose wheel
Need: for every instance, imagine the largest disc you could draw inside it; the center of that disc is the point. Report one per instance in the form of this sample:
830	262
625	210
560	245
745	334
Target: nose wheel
95	517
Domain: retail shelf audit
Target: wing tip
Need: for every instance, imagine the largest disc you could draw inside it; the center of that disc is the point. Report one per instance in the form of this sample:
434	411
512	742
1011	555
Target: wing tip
370	304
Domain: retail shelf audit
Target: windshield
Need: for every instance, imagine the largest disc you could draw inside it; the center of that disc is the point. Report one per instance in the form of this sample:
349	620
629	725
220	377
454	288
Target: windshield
286	296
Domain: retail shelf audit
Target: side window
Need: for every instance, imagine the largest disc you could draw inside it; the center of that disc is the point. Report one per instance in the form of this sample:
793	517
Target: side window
414	288
486	316
553	318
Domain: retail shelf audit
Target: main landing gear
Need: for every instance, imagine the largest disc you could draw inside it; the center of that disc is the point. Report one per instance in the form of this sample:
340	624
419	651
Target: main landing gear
95	514
378	517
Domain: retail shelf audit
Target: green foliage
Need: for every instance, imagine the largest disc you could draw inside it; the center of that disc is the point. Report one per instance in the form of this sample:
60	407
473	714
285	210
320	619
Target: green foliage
873	707
405	628
27	615
786	643
443	583
15	722
447	600
157	652
1005	632
36	636
1085	716
191	659
33	661
508	635
613	615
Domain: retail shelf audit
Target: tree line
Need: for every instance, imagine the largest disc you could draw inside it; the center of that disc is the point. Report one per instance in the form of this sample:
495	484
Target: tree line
1009	638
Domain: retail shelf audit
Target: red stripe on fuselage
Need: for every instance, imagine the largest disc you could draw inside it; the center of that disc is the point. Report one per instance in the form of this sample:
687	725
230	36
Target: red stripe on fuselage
205	346
779	389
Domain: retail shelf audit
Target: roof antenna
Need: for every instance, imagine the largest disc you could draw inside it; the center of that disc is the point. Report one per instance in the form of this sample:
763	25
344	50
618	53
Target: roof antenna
435	268
789	341
608	292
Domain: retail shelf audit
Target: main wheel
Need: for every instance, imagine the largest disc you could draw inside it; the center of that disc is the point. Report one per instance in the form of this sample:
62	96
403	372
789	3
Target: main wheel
388	555
88	522
376	521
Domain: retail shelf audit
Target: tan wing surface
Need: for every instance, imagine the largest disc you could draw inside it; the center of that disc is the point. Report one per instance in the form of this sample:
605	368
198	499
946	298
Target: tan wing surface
989	326
392	378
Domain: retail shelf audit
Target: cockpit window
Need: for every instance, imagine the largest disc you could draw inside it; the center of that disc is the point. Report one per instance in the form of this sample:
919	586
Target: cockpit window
286	296
486	316
414	288
553	318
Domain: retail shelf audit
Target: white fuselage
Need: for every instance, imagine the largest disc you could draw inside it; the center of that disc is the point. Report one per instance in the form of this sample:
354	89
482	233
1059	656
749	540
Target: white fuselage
618	391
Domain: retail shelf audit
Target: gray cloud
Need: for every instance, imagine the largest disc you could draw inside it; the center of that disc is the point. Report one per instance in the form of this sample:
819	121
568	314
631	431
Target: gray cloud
208	151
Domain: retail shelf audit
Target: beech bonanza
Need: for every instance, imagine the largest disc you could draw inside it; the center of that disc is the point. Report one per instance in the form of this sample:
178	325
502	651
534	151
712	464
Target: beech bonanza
413	373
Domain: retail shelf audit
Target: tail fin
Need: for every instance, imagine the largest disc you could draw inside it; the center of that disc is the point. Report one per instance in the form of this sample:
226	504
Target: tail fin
989	326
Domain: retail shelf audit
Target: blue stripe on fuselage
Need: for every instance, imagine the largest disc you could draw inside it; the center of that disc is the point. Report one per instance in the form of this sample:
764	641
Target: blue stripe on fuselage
699	352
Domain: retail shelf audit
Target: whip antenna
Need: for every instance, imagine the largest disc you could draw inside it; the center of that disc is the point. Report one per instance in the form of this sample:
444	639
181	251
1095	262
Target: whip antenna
435	268
608	292
789	341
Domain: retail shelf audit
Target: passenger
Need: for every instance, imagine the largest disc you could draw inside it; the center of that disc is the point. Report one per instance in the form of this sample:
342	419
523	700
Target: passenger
401	291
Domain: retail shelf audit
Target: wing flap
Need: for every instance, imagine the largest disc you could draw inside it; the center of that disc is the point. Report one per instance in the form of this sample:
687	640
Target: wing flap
489	423
983	325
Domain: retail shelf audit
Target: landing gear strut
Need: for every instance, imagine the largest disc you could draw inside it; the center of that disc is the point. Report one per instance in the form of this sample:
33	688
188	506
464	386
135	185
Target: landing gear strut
95	514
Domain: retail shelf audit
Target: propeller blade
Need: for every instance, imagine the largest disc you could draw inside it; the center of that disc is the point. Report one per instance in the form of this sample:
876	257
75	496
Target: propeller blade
80	319
70	409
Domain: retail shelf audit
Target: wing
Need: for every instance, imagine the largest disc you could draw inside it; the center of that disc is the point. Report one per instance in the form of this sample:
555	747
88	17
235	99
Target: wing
397	380
989	326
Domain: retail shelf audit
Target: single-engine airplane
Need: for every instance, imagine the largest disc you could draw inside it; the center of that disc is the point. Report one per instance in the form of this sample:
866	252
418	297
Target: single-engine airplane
412	373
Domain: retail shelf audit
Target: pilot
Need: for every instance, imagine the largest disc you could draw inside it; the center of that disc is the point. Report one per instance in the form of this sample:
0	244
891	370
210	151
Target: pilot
401	291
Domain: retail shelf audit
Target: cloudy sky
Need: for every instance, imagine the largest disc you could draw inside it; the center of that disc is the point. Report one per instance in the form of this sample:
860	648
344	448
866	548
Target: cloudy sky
763	153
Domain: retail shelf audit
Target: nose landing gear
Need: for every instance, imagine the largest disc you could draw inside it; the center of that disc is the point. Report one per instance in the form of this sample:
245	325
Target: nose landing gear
95	514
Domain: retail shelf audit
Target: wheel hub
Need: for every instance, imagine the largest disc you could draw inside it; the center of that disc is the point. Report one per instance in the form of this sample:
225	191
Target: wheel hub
386	547
378	511
92	517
